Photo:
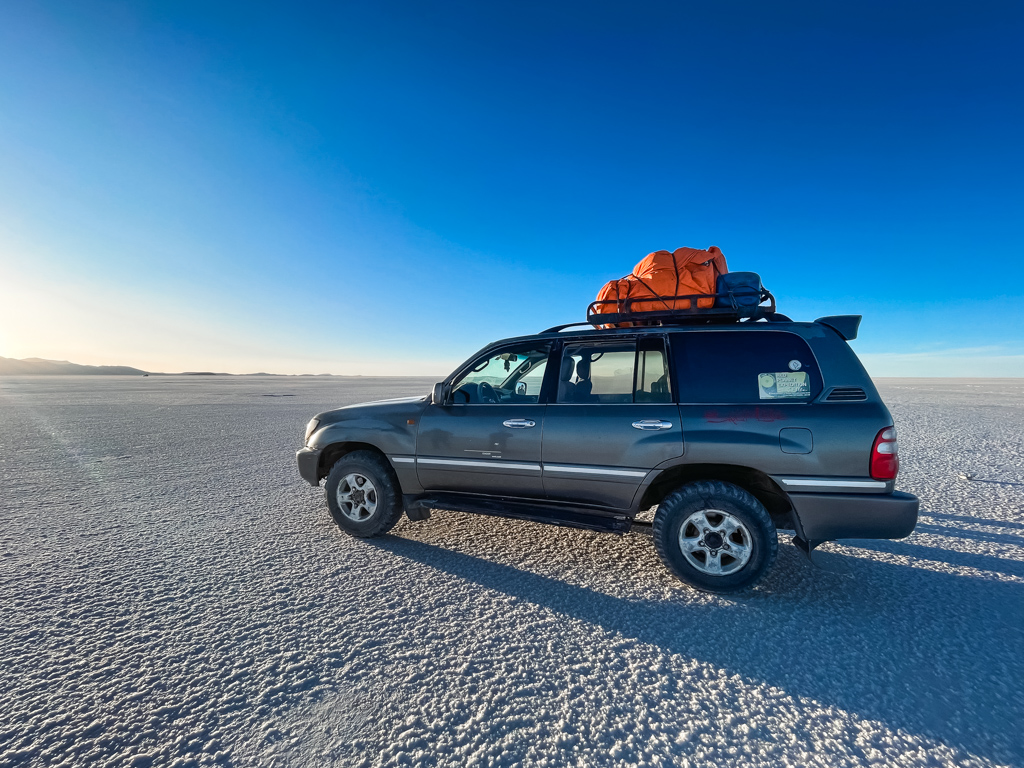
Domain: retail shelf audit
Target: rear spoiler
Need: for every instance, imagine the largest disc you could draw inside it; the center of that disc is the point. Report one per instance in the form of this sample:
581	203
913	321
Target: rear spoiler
845	325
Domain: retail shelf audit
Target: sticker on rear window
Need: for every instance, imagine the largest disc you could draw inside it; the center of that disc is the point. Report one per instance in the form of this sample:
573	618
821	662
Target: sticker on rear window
773	386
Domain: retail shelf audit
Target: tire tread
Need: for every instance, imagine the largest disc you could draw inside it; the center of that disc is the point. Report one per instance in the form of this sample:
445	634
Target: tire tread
707	490
388	479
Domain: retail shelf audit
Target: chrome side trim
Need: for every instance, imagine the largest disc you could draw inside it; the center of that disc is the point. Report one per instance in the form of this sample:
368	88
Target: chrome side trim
403	460
796	483
594	470
478	463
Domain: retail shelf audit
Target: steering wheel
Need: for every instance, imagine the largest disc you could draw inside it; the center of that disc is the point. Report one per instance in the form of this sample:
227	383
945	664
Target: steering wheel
487	393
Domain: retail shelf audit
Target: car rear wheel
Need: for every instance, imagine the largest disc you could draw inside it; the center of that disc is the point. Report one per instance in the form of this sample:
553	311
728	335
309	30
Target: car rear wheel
715	536
362	494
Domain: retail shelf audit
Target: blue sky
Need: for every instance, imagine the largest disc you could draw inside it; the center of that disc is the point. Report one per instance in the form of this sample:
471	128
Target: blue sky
385	187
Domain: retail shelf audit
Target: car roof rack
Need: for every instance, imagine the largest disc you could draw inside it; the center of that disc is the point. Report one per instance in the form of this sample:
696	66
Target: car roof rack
730	306
563	326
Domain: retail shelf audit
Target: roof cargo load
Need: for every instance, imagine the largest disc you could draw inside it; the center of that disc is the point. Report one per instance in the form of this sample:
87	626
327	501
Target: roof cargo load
685	285
661	275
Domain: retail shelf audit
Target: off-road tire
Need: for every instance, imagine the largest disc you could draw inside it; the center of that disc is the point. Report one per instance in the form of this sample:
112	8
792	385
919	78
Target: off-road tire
385	483
715	495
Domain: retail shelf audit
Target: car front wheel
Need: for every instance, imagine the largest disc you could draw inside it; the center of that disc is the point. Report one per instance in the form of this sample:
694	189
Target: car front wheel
715	536
362	494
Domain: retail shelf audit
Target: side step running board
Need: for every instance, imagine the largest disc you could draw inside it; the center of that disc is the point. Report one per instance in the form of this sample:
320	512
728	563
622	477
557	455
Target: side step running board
553	514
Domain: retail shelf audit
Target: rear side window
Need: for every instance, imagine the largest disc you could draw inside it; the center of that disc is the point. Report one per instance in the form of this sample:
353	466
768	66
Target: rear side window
744	367
652	381
610	372
597	373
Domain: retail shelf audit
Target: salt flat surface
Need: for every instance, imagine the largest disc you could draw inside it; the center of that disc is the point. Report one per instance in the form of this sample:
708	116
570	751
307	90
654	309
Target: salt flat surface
173	594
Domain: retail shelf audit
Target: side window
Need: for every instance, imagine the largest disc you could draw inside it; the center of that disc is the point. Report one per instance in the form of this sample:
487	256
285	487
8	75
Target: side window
624	372
530	383
597	373
652	381
744	367
513	375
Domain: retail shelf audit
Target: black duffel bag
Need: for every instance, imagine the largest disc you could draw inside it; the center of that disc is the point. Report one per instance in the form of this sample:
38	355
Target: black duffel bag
740	291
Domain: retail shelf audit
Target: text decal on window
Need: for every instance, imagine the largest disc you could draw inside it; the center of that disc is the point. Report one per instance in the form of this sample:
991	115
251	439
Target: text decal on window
774	386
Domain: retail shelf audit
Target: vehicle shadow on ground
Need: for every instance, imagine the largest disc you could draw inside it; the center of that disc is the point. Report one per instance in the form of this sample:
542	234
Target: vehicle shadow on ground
974	520
928	652
948	556
1015	540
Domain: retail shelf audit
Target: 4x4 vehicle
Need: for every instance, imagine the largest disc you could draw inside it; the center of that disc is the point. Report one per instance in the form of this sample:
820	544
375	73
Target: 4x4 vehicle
732	428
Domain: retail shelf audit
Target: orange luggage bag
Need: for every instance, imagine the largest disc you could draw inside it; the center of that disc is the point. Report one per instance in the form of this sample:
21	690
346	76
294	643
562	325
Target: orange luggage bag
662	275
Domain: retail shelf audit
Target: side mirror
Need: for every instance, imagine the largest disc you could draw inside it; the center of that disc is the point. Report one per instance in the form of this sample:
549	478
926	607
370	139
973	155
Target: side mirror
439	393
521	388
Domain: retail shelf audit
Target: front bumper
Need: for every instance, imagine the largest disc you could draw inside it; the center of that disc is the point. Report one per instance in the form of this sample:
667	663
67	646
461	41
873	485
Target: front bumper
309	465
829	516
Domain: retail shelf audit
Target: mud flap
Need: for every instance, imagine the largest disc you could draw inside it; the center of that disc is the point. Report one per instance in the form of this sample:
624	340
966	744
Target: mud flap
828	562
419	509
806	547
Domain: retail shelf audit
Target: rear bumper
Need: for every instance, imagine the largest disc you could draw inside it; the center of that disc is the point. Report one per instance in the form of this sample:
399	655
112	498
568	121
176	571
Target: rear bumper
828	516
309	465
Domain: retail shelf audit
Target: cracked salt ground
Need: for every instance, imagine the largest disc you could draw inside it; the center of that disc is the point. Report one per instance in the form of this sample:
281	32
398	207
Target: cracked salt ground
172	594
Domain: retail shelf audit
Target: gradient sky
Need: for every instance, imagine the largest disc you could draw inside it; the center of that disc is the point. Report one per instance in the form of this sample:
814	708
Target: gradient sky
385	187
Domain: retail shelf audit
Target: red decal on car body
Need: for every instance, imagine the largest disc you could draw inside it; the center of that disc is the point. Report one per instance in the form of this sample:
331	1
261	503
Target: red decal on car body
745	414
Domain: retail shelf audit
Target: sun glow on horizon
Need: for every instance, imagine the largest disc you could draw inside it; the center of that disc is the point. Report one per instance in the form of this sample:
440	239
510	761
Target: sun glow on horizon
91	324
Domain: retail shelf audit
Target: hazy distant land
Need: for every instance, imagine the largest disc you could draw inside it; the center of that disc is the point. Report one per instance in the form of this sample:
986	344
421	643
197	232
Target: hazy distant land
37	366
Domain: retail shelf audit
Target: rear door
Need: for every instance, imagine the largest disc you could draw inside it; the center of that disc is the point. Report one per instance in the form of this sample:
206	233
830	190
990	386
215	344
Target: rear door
613	419
487	438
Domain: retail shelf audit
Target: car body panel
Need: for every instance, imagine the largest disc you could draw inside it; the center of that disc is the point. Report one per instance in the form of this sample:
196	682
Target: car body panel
390	426
593	454
468	448
841	436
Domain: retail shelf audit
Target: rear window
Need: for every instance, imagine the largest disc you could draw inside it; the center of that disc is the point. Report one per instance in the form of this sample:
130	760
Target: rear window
744	367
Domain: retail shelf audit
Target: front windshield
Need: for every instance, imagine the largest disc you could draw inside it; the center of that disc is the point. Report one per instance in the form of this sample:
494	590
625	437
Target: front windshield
512	375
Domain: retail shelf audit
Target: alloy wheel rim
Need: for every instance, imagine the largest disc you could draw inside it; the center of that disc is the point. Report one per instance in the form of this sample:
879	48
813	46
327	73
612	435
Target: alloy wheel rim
357	497
715	542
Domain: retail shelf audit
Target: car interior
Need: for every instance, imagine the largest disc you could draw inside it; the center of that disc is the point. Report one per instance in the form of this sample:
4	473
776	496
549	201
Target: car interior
587	375
509	377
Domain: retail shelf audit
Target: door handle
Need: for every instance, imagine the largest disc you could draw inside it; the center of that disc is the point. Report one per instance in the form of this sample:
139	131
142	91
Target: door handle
519	423
647	424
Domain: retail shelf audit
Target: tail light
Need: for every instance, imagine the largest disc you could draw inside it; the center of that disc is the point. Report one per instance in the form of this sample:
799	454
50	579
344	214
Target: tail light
885	456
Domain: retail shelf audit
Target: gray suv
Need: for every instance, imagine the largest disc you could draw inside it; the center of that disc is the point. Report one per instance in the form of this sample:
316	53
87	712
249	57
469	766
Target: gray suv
732	429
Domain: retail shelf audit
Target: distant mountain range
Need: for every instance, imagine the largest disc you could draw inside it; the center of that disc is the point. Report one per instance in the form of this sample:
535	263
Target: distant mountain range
37	366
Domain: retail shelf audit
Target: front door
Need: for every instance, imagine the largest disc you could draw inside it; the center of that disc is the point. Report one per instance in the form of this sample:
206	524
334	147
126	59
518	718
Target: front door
487	438
613	420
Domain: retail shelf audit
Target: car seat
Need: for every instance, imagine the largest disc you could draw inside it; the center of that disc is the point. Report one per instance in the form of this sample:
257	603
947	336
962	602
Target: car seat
584	386
566	388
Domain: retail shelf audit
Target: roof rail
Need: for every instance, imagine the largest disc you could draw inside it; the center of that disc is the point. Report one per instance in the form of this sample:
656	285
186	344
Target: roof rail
562	327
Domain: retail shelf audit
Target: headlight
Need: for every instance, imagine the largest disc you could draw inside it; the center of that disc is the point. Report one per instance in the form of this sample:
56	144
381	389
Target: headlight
311	428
